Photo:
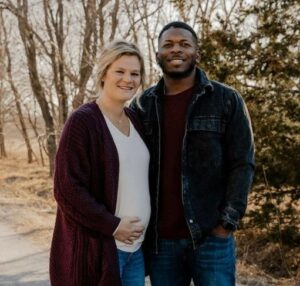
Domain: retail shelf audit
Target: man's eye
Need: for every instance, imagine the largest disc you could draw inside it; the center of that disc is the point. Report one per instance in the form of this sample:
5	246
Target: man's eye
167	46
187	45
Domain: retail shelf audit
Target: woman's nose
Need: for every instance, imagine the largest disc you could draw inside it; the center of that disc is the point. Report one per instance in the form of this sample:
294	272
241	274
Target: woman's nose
127	77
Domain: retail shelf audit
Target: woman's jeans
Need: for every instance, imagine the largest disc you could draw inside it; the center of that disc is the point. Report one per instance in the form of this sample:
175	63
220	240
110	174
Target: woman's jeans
132	268
177	263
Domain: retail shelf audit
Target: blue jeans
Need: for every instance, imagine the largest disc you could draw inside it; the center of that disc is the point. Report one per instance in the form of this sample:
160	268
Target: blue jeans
132	268
177	263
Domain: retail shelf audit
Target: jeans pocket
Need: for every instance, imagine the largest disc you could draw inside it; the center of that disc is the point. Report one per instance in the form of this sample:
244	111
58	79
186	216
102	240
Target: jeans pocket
220	237
218	250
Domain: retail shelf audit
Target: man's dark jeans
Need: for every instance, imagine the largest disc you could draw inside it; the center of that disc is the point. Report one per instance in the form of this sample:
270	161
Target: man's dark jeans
211	264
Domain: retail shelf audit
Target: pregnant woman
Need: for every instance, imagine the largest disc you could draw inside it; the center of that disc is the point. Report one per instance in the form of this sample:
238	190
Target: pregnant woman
101	182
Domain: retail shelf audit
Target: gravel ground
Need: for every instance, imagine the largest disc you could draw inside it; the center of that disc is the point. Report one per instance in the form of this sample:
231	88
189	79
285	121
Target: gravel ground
21	262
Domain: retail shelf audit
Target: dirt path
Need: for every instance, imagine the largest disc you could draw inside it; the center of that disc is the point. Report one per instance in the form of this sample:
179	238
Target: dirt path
21	261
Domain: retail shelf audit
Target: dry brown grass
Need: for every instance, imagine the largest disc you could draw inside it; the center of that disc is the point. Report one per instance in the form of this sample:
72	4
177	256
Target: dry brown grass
265	261
26	199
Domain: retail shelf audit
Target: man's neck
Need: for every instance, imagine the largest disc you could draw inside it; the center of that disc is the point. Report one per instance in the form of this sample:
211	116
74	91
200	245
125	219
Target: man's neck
175	85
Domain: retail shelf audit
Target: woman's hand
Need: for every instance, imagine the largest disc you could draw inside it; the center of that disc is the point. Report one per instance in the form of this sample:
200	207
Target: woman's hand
129	230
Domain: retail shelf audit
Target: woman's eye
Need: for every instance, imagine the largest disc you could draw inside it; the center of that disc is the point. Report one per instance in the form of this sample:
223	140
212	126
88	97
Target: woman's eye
135	74
120	72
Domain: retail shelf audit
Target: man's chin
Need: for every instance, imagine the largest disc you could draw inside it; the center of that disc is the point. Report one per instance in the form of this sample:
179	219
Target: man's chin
178	74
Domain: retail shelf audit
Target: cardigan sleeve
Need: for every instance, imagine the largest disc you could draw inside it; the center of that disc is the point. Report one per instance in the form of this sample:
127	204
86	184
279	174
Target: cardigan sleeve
72	180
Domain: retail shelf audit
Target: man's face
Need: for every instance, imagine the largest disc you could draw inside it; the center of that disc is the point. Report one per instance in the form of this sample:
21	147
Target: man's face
177	53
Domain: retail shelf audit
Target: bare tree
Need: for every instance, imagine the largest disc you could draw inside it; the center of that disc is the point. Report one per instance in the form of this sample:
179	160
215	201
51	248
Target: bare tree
199	14
3	153
228	11
32	119
89	50
54	22
150	25
17	96
28	36
2	91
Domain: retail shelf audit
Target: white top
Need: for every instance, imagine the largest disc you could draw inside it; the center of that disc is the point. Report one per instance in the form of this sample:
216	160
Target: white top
133	189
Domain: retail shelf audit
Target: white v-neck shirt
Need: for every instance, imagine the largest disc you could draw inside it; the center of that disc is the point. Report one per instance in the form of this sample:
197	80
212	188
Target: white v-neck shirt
133	188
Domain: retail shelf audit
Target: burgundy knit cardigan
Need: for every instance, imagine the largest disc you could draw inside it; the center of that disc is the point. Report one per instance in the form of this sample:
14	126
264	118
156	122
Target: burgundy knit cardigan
83	250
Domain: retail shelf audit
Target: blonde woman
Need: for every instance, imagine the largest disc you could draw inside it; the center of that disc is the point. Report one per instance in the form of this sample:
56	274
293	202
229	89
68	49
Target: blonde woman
101	182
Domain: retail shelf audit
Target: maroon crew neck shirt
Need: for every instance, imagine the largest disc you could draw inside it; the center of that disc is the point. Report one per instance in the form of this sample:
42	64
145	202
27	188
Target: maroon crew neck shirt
171	222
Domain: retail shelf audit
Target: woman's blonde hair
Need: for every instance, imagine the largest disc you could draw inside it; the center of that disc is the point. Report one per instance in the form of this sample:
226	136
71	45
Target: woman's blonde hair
111	53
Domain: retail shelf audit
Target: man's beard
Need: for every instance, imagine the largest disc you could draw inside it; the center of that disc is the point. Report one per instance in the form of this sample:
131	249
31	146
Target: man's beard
178	74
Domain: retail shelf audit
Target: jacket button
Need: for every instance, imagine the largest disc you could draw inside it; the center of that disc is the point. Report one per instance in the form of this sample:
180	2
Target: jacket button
191	221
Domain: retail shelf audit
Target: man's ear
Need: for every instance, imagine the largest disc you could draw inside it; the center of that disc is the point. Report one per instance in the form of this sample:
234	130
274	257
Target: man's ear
198	55
156	57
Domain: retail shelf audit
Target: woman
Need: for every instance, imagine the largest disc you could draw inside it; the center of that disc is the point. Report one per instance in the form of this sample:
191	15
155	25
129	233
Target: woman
101	182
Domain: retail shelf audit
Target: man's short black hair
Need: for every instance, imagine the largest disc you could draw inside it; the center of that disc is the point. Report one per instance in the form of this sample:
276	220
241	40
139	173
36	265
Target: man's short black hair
178	24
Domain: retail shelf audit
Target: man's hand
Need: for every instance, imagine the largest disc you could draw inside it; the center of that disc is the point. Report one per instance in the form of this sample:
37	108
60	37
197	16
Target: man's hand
129	230
220	231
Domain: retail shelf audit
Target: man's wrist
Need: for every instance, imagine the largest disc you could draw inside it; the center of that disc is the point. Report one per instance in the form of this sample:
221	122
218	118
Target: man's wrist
229	218
228	225
220	231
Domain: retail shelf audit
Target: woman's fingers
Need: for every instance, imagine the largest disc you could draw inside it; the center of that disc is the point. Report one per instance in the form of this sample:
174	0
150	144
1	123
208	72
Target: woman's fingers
129	230
133	237
128	241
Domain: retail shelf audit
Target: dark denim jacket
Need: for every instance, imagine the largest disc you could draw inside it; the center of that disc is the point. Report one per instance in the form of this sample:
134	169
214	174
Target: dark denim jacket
217	155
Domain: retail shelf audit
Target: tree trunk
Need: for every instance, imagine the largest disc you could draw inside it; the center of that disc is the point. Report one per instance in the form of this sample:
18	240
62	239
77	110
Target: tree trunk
3	153
17	97
33	124
37	88
55	29
24	130
89	50
2	72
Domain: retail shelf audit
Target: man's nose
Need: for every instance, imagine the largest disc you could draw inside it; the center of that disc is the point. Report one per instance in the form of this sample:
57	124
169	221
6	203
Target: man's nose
176	48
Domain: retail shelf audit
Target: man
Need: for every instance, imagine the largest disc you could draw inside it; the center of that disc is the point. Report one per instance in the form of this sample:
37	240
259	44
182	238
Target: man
202	164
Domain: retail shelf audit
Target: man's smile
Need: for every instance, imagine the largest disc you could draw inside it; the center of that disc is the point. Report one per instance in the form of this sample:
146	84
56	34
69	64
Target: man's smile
176	61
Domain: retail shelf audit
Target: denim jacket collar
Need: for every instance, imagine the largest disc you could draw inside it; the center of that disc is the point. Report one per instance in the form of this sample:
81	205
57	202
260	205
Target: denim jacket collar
201	82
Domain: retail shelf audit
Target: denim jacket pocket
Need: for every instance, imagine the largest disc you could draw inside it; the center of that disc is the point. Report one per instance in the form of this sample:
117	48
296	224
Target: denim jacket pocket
205	148
207	124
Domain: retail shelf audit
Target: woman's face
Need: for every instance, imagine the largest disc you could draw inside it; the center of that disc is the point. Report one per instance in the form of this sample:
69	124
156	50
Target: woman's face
122	78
